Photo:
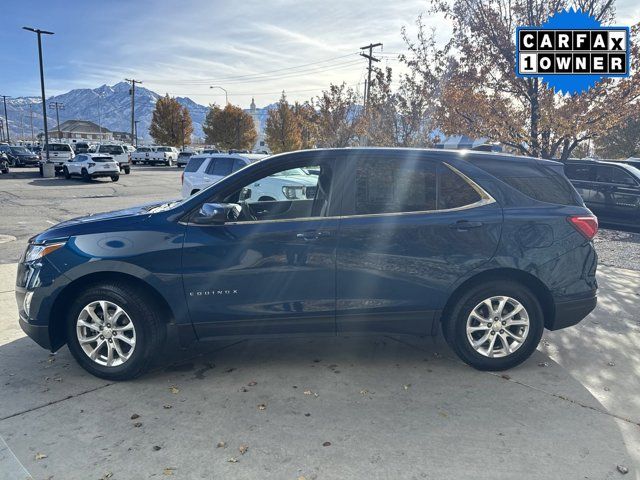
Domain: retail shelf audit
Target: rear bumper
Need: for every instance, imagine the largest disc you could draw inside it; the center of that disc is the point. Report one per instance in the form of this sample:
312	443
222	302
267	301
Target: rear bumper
571	311
109	173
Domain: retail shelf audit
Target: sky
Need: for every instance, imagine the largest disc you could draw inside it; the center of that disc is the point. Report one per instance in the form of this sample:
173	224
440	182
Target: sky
250	48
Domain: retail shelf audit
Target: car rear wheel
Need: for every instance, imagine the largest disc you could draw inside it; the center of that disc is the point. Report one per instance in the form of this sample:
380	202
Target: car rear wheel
113	331
67	175
85	175
127	170
115	178
495	325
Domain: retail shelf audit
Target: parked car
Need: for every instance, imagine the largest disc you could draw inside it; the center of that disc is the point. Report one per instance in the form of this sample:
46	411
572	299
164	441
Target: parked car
183	158
81	147
610	189
211	150
4	163
141	155
204	170
19	156
59	154
118	153
92	165
399	241
633	161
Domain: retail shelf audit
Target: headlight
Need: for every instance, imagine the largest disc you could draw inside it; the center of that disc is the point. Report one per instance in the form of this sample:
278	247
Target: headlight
292	192
34	252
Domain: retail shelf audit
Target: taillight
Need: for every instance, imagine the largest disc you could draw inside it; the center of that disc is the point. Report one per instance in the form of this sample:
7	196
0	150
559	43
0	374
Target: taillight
182	178
585	224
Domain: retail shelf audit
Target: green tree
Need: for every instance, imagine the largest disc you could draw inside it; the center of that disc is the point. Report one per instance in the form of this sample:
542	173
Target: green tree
171	123
282	131
230	128
340	119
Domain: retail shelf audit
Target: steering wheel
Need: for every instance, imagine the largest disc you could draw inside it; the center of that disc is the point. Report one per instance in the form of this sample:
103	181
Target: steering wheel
247	212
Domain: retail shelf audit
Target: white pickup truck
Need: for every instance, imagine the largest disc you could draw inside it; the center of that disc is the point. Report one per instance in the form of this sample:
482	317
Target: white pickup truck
59	154
155	155
118	153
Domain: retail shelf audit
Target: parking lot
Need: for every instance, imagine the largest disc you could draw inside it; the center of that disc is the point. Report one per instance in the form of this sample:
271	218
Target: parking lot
315	408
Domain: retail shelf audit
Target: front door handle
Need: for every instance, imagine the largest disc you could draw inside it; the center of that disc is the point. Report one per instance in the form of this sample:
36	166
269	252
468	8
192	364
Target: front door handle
311	235
463	225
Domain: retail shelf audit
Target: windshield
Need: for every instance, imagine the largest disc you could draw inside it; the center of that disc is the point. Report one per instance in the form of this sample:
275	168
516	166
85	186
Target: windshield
20	150
144	149
112	149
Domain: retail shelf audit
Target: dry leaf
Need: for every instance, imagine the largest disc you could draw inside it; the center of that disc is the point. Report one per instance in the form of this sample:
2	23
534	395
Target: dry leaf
167	407
221	444
233	460
252	383
168	471
137	424
262	406
407	386
40	456
364	391
134	416
243	449
443	414
174	390
326	444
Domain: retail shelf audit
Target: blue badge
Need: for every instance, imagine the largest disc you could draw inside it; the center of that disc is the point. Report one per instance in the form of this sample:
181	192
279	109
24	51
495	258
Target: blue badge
572	51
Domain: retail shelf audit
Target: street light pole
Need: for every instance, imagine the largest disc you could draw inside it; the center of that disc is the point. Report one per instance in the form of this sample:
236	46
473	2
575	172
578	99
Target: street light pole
6	119
226	95
44	100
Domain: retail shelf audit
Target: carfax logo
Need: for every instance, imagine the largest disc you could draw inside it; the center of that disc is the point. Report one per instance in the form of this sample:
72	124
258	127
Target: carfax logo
572	51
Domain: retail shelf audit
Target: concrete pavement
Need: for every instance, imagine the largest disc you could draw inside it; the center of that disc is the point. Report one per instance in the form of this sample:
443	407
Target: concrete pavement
332	408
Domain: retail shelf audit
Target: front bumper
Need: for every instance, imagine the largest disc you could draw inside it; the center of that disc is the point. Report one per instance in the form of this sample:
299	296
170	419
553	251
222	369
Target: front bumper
38	333
569	312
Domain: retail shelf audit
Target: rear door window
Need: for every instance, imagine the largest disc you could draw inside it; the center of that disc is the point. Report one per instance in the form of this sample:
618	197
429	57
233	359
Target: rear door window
579	172
194	164
220	167
453	190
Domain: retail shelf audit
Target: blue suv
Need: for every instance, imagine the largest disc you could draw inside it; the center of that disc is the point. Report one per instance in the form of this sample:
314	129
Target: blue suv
489	247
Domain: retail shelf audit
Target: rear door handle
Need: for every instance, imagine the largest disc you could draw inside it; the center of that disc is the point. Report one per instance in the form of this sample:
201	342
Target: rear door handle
465	225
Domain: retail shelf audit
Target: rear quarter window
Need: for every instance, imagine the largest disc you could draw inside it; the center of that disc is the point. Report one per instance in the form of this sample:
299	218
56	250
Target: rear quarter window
539	182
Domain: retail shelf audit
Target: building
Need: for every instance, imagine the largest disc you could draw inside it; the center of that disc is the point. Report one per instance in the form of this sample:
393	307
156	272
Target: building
123	137
80	129
261	145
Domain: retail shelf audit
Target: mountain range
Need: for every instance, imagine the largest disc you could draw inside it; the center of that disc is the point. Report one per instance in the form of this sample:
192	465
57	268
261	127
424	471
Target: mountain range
107	105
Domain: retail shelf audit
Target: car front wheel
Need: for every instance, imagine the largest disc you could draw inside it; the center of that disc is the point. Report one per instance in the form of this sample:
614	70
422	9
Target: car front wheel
495	325
113	331
67	175
115	178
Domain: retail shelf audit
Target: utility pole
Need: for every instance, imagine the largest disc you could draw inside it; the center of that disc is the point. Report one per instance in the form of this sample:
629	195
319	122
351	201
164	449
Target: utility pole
1	130
6	119
132	91
136	132
371	59
58	105
31	118
44	100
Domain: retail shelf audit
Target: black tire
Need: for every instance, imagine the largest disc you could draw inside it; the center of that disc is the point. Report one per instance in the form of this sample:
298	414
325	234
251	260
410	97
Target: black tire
127	170
115	178
67	175
85	175
454	326
40	169
149	329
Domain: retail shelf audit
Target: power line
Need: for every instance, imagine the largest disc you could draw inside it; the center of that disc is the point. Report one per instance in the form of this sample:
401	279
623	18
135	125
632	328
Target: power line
268	72
263	78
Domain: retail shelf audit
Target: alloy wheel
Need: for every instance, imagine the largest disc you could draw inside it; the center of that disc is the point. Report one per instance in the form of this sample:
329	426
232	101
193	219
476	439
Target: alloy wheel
106	333
497	326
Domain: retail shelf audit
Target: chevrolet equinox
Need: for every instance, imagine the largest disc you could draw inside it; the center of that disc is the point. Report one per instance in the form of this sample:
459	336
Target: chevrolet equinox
488	247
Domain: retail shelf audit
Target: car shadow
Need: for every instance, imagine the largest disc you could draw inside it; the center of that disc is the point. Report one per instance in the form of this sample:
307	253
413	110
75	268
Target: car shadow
339	407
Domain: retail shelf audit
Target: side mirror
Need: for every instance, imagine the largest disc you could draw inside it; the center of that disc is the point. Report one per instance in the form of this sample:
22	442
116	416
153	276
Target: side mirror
245	194
217	213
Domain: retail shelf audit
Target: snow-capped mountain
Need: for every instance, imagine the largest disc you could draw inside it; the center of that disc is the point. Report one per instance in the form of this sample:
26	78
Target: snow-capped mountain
106	105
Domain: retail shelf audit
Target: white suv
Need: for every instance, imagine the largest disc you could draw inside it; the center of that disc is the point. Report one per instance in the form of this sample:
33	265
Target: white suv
92	165
205	169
